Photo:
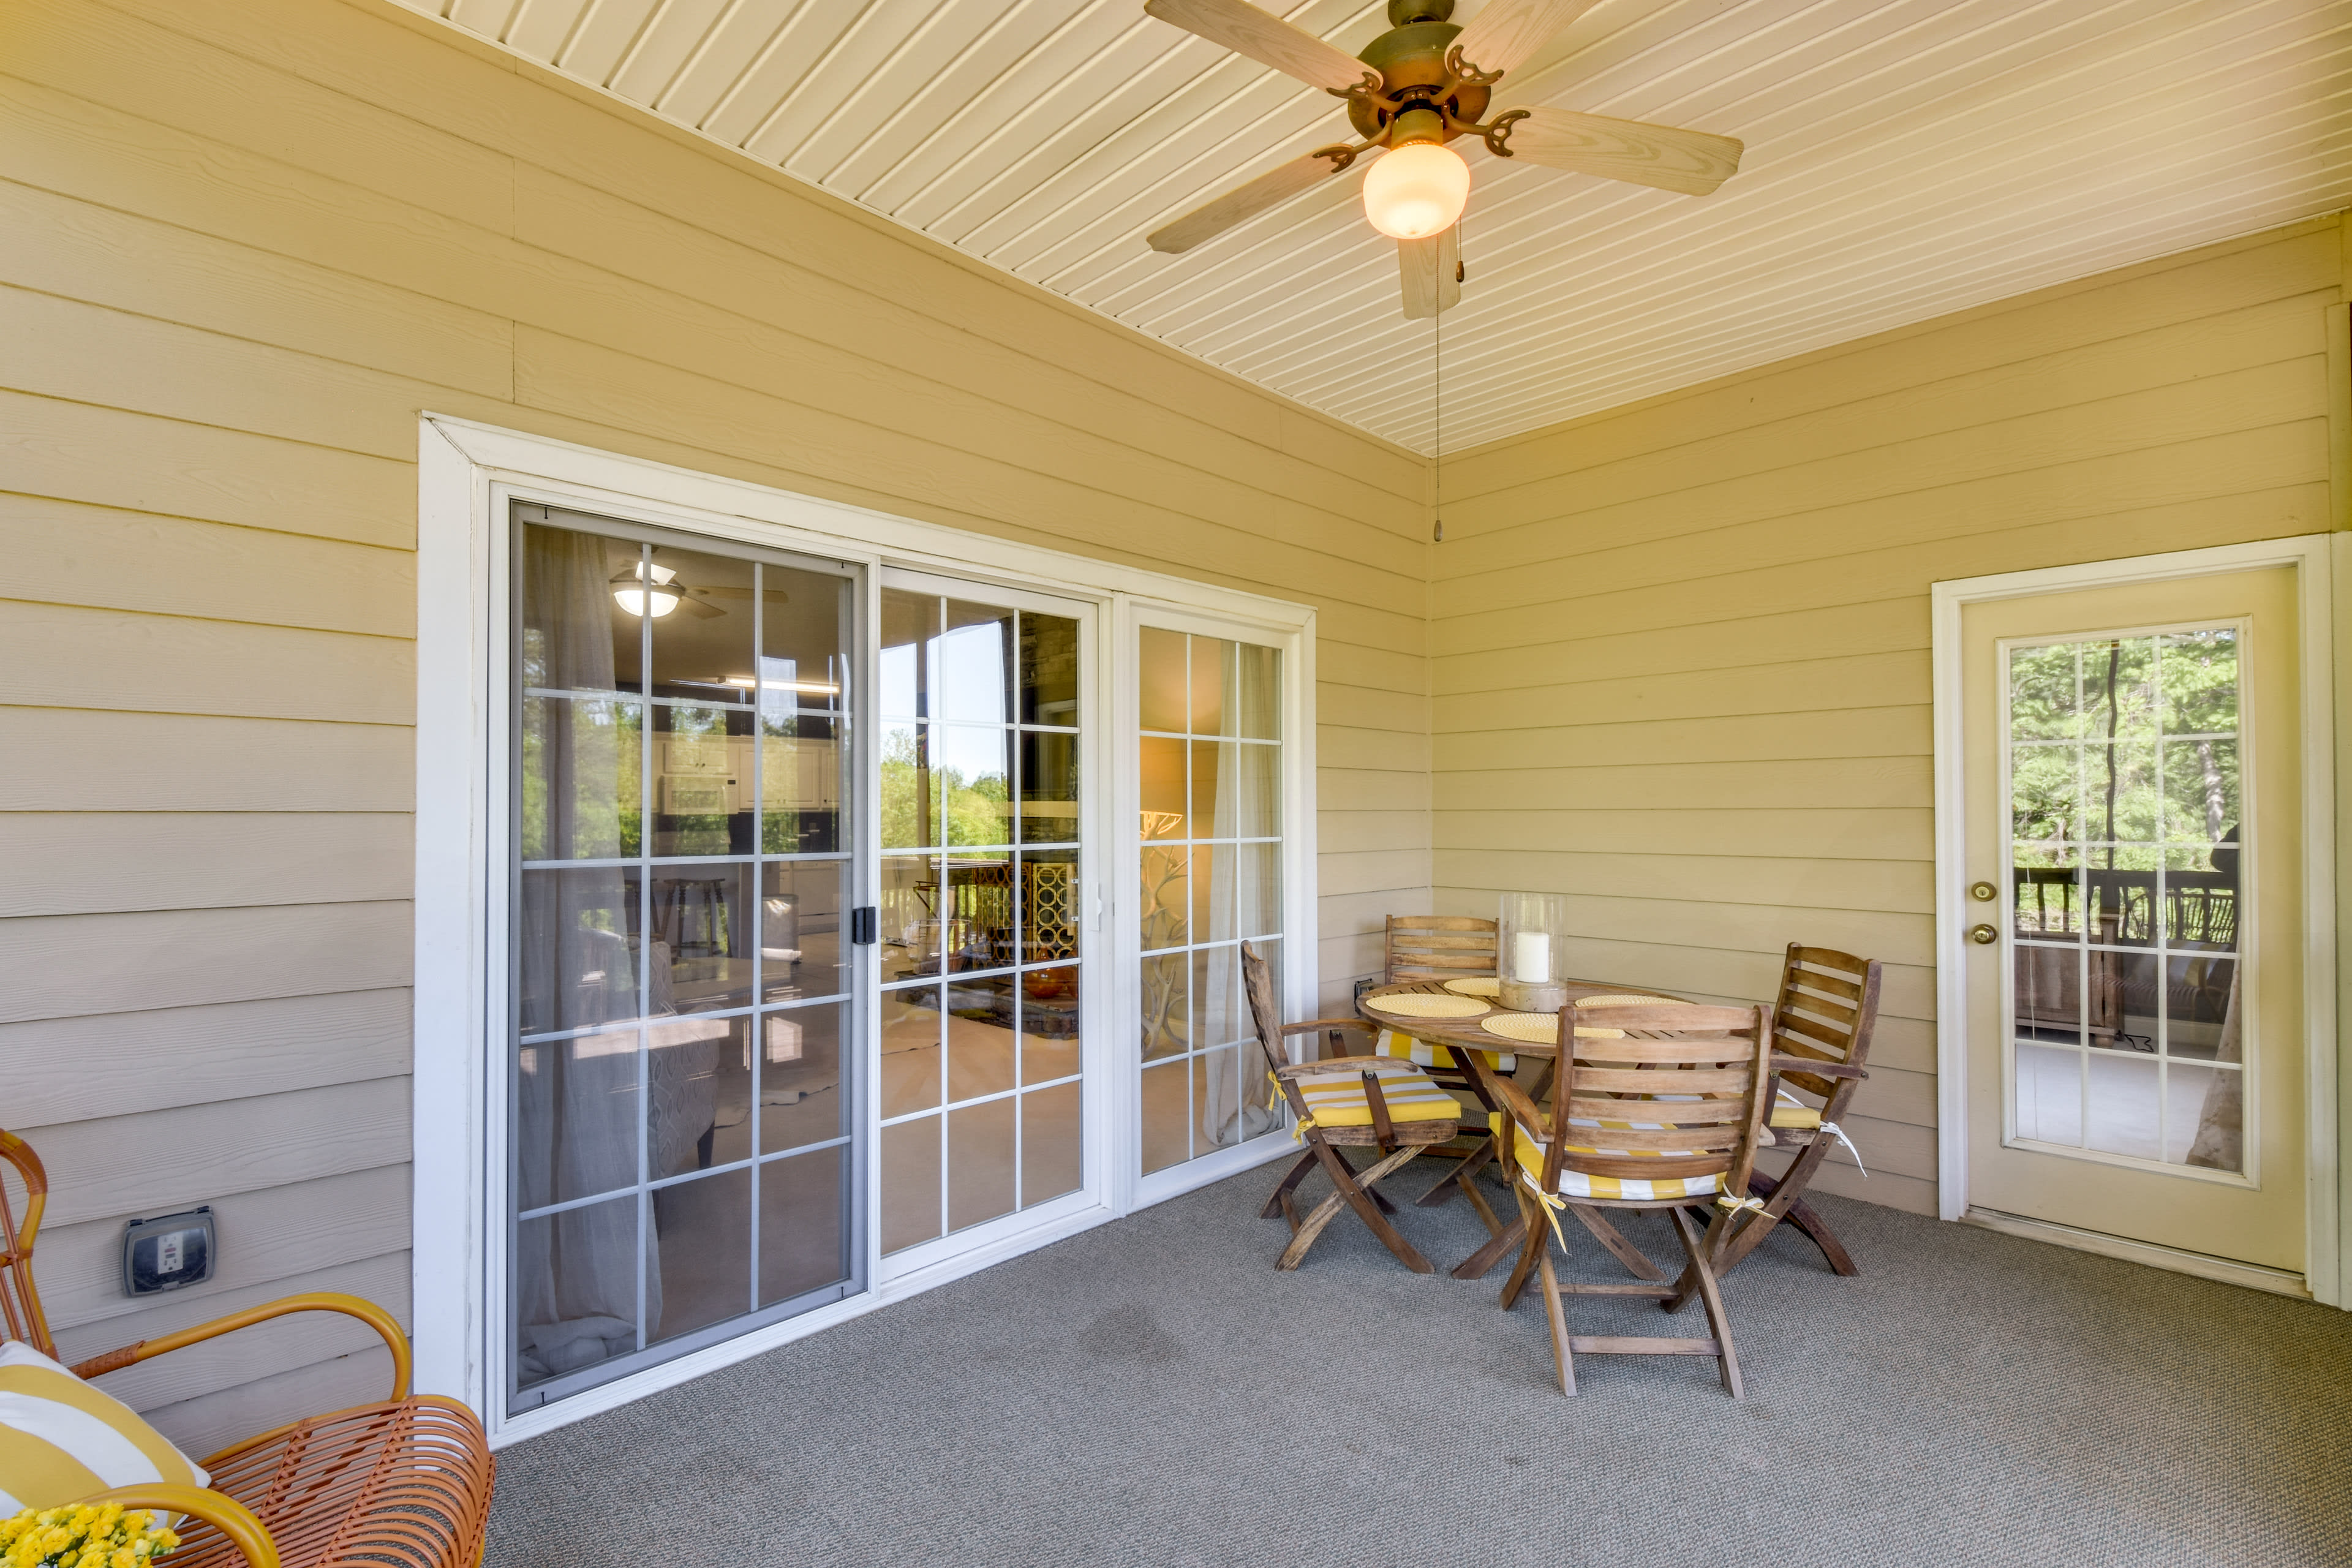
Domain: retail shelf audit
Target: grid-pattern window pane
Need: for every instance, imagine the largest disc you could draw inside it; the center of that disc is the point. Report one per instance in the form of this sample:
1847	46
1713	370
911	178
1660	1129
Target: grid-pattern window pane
680	1099
979	919
1209	762
2128	826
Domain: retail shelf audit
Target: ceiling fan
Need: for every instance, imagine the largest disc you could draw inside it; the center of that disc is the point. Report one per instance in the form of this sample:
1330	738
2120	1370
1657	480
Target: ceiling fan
1420	85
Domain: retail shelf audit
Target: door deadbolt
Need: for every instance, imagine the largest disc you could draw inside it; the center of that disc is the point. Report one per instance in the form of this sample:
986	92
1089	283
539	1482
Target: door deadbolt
1982	934
1983	892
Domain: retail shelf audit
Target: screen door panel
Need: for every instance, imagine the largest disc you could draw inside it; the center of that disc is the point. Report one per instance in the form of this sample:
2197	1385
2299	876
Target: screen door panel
681	1083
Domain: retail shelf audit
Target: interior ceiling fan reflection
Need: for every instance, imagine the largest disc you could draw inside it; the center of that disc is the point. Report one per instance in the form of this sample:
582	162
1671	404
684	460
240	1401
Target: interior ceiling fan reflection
643	587
1421	85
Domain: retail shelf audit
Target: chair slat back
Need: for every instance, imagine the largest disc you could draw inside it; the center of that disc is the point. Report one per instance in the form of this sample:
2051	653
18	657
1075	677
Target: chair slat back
1265	1011
20	1304
1827	1009
1437	947
1710	1063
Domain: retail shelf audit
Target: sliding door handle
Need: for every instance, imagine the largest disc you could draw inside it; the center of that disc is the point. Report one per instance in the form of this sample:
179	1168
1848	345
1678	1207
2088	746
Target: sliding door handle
861	925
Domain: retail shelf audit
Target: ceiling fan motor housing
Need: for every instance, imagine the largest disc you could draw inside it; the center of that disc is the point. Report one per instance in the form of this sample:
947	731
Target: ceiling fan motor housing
1411	59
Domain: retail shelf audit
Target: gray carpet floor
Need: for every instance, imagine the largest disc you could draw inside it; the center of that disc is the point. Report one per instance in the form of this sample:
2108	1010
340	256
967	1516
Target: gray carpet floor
1153	1393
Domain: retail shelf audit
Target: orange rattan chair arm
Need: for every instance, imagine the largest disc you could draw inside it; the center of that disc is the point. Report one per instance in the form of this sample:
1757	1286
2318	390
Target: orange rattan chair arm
367	1312
223	1513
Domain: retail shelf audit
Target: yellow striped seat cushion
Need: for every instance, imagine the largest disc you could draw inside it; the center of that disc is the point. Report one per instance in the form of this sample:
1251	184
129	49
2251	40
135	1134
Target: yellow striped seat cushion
61	1440
1404	1048
1337	1099
1530	1151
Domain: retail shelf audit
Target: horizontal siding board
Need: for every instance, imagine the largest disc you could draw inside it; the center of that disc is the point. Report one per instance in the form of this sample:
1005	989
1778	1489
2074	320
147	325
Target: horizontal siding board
159	1161
218	764
113	1064
102	53
109	457
74	965
1401	871
269	1235
1856	732
118	259
2213	281
248	1354
2275	333
1798	686
209	1423
61	656
1829	833
2295	453
68	552
1891	887
70	863
1341	832
66	350
1865	782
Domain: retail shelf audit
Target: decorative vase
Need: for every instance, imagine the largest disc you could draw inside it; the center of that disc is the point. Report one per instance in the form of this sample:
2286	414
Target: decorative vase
1530	942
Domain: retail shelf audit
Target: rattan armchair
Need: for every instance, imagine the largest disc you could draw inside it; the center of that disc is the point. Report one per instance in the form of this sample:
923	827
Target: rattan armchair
404	1483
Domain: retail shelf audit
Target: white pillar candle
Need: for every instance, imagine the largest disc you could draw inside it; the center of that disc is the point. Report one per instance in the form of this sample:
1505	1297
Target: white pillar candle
1532	957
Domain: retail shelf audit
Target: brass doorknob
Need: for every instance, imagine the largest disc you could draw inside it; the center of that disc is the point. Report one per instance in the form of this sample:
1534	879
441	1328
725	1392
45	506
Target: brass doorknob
1983	892
1982	934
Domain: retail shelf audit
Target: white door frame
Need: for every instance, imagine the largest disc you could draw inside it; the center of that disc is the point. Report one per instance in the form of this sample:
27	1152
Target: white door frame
464	468
2325	1203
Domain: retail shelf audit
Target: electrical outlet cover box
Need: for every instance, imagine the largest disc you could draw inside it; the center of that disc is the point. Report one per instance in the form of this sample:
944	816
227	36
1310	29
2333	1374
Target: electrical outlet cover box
166	1253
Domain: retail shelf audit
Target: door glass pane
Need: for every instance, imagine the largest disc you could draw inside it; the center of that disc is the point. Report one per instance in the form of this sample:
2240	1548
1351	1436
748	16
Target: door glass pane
1209	869
681	859
2121	760
981	765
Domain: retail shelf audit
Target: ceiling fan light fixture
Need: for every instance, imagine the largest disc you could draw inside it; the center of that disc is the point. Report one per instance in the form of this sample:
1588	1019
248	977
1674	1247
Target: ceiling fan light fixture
629	591
1416	191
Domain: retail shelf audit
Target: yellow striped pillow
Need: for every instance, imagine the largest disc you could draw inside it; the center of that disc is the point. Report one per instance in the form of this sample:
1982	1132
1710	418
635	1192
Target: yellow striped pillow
61	1440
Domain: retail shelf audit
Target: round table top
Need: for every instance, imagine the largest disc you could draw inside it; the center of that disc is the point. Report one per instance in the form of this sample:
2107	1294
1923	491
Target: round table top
1470	1029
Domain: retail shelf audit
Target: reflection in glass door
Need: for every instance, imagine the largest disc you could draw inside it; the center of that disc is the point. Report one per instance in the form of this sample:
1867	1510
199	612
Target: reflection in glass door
680	1091
981	912
2127	828
1210	781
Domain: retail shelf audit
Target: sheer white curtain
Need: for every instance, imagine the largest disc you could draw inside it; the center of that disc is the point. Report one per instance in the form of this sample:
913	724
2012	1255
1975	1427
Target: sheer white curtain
575	1126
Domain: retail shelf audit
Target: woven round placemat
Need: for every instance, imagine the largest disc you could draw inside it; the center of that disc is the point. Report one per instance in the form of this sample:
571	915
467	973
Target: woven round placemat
1425	1004
1475	985
1532	1029
1625	1001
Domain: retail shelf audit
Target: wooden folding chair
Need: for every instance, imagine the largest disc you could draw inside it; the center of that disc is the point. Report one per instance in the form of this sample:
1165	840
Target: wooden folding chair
1822	1027
1441	948
1652	1106
1358	1100
406	1481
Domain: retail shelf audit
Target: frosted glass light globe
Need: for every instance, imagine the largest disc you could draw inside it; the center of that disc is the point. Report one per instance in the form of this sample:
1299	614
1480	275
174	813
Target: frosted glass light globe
1416	191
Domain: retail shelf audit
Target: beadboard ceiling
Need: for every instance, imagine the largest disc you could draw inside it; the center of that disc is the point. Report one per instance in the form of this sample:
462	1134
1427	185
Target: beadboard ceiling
1906	158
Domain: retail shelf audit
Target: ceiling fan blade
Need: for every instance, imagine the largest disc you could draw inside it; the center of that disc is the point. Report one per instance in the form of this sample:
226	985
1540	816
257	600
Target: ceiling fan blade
1691	162
1266	38
699	606
1430	270
1240	203
1502	36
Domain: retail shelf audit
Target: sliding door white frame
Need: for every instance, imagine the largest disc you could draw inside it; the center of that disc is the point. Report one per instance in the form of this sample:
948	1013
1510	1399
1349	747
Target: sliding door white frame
466	474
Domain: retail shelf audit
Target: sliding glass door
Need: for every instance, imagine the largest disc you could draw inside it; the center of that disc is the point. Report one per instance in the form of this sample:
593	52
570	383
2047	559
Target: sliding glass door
682	1091
985	915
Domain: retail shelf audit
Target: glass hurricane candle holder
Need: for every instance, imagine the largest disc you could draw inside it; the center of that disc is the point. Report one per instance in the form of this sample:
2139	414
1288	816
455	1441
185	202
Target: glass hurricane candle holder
1530	947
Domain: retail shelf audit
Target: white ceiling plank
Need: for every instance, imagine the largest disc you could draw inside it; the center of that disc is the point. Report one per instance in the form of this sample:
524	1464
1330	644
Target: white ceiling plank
786	61
602	39
540	29
683	28
888	31
1904	158
727	51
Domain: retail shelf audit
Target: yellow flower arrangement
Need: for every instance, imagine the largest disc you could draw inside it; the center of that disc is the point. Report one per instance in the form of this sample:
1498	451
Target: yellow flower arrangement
82	1537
